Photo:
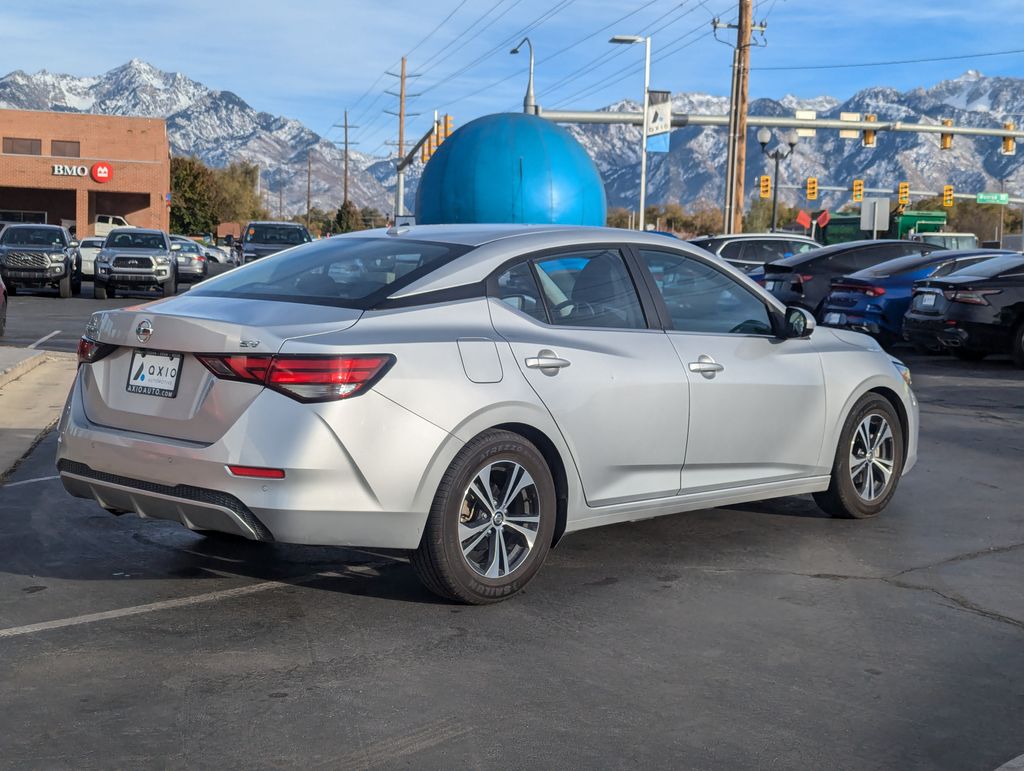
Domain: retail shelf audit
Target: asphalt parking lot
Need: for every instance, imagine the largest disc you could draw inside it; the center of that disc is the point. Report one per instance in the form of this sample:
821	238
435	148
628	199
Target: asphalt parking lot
765	635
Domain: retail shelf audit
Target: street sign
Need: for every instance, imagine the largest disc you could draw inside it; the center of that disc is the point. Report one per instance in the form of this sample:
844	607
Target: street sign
849	133
1000	198
874	214
806	115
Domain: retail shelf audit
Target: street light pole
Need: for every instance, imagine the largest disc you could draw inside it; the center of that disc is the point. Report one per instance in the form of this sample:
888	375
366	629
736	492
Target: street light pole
629	40
529	103
764	136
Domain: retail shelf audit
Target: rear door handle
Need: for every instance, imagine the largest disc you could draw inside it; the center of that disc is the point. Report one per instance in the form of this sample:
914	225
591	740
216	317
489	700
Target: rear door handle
706	366
546	360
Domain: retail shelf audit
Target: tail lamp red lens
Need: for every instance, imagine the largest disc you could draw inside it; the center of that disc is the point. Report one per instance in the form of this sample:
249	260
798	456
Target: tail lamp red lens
256	472
89	350
805	278
306	378
969	296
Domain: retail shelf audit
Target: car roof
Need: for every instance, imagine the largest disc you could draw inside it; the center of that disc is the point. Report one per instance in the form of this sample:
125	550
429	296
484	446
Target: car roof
275	222
136	230
777	236
910	262
13	225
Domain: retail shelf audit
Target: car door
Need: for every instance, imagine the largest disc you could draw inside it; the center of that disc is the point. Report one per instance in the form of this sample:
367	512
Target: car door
757	402
613	384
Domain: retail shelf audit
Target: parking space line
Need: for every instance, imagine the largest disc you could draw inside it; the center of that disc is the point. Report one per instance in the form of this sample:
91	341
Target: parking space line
181	602
42	340
29	481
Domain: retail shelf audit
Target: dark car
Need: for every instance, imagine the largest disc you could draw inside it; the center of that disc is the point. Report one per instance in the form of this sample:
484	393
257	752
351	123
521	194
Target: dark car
806	279
974	312
39	256
749	251
261	239
875	300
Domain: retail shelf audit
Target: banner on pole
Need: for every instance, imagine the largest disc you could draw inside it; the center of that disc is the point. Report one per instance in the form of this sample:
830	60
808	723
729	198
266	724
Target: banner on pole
659	120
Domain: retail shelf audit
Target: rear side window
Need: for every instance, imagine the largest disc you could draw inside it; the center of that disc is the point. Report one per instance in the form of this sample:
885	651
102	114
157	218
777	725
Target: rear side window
589	289
344	272
993	267
518	289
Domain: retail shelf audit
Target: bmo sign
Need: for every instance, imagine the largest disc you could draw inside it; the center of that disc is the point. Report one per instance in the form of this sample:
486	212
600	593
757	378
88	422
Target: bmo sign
100	172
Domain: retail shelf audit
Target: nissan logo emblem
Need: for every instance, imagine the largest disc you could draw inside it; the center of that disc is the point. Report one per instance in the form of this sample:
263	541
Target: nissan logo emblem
143	332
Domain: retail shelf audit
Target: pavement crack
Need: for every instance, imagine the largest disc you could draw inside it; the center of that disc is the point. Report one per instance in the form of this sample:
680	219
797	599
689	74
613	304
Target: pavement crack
960	602
959	558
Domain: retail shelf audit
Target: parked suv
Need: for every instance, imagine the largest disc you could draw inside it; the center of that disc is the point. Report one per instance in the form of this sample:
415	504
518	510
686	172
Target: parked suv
748	251
39	256
261	239
136	258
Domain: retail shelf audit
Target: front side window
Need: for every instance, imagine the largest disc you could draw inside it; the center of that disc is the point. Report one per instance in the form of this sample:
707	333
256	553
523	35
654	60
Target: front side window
702	299
33	237
589	289
344	272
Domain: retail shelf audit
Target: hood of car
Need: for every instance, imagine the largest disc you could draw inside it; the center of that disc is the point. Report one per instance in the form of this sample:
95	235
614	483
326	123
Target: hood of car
109	252
48	249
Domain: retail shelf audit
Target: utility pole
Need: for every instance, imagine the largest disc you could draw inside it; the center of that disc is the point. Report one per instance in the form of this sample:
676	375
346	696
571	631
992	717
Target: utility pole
280	203
402	96
346	126
309	183
736	153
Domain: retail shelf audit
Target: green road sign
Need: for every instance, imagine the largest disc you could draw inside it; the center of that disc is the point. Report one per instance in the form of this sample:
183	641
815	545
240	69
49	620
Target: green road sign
1001	198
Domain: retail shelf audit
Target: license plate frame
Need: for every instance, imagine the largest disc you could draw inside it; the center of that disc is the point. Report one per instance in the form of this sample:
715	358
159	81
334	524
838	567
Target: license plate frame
928	300
168	381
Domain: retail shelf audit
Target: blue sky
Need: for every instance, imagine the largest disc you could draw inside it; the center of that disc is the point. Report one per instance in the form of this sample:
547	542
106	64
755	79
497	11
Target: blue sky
310	59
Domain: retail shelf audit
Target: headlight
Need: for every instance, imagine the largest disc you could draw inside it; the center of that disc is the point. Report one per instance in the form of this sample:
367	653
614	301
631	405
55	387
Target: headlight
56	257
904	371
160	260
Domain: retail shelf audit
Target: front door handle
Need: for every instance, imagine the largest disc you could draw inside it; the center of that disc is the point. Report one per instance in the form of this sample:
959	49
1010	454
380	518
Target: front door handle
706	366
546	360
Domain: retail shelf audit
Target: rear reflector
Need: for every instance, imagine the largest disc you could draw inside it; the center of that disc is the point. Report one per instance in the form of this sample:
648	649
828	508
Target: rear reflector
256	472
306	378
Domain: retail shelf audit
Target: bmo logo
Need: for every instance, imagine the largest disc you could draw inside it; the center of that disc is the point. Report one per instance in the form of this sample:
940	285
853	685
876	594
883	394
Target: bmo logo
101	172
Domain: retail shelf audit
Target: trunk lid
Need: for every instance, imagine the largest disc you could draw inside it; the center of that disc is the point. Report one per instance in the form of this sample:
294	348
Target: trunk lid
203	407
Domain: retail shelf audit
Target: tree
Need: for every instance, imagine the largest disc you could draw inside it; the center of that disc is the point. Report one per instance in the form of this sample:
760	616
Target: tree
971	217
320	222
617	218
348	218
236	198
192	197
372	217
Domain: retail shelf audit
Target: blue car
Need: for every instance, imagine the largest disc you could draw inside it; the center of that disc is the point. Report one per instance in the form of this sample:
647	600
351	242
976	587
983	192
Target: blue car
874	300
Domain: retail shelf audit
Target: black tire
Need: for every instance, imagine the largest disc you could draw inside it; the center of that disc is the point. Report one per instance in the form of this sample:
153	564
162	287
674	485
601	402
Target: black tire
12	290
170	286
842	499
100	291
886	339
76	287
3	321
1017	349
64	287
968	354
439	561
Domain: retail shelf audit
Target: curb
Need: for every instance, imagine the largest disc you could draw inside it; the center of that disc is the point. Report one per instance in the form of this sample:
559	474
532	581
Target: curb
18	369
1017	764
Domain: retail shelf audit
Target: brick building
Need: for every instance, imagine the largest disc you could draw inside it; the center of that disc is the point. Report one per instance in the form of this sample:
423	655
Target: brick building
68	168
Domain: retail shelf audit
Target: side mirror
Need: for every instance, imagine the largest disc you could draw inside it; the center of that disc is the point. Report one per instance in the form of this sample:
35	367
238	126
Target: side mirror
72	244
175	247
799	322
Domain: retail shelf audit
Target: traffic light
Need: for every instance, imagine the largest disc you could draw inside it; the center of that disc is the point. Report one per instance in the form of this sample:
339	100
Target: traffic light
947	195
766	186
812	188
869	134
448	130
1009	143
904	193
427	151
946	140
858	190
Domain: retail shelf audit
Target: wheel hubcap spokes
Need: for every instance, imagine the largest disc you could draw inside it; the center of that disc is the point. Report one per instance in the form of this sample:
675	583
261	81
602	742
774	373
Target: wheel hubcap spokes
499	519
872	457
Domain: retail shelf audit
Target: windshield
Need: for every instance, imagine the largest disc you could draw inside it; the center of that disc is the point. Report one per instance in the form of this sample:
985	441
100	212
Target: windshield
135	240
286	235
347	272
990	268
33	237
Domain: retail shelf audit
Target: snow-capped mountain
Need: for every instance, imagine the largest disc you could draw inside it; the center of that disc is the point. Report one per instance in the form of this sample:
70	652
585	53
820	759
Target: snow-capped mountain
219	127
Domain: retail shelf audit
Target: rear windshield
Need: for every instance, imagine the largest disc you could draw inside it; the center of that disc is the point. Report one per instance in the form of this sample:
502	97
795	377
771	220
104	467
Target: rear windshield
286	235
993	267
33	237
346	272
135	240
902	265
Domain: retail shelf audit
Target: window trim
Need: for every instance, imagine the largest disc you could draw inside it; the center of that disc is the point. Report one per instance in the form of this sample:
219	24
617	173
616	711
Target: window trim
775	317
649	309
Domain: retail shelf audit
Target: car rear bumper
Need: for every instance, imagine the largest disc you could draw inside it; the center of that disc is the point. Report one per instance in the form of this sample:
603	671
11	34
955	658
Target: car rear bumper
957	333
365	495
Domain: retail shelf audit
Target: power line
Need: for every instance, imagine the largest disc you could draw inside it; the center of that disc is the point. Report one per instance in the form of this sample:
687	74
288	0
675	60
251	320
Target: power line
435	29
426	65
893	62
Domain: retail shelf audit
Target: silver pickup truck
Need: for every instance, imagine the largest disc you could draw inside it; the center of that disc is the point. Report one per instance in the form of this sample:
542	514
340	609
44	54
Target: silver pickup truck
39	256
136	259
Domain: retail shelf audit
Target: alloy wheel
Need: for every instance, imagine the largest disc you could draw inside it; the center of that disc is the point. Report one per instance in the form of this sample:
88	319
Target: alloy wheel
499	519
872	457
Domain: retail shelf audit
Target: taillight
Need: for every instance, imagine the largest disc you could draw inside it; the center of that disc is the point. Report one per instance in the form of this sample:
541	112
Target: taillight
875	291
306	378
805	278
90	351
969	296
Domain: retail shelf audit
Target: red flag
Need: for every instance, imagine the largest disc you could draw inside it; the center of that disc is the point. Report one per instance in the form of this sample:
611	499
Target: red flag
803	219
824	218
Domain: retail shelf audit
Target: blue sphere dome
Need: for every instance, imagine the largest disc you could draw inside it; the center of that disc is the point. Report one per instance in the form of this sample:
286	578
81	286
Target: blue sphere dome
510	168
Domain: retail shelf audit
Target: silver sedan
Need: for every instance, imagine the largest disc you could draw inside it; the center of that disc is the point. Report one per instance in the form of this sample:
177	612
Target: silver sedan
474	393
